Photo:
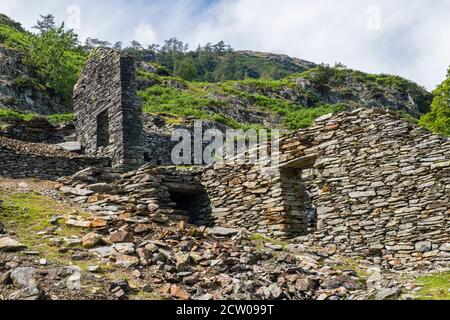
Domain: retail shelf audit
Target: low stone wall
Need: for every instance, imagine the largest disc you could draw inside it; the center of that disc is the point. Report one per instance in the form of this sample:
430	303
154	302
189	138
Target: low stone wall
168	191
158	144
41	161
36	130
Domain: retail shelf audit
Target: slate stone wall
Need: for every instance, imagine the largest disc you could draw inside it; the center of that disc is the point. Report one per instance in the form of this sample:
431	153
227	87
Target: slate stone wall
41	161
107	109
382	188
374	185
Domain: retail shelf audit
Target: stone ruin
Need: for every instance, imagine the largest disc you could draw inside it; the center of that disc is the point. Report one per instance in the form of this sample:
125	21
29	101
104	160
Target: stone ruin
363	182
366	183
107	109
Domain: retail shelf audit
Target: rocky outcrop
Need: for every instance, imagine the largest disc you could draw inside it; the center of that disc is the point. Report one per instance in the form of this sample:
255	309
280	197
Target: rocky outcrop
19	90
295	65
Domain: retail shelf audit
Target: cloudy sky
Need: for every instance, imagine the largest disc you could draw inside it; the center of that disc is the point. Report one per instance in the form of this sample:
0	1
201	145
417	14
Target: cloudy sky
404	37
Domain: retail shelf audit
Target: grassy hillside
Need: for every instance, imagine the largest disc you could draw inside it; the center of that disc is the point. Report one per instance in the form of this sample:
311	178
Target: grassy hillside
295	100
238	88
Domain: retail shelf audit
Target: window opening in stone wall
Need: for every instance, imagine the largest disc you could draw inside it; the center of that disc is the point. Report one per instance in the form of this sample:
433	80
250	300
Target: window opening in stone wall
103	129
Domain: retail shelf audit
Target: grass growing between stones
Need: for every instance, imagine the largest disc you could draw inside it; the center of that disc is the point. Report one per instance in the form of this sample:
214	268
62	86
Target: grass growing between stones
435	287
135	284
29	214
260	240
55	119
352	264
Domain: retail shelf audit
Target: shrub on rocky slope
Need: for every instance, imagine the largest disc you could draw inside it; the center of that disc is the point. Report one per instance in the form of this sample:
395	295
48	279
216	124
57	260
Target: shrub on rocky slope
292	102
438	119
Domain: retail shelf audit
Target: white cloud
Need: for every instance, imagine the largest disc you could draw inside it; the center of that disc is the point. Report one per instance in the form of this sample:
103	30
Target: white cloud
405	37
145	34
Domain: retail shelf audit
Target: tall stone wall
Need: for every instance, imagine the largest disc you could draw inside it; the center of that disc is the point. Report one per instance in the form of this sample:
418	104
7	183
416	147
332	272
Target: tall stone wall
107	109
382	188
379	187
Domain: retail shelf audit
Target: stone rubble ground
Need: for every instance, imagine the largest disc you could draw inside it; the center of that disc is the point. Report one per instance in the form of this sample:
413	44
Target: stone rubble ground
161	256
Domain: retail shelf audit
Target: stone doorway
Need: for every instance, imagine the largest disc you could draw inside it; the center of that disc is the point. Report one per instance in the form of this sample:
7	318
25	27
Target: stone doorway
300	213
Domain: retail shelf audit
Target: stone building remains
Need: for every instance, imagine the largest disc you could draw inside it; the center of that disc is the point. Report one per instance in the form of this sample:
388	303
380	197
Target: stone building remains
107	109
362	182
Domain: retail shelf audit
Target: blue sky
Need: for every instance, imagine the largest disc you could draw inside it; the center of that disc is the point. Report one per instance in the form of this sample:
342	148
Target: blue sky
405	37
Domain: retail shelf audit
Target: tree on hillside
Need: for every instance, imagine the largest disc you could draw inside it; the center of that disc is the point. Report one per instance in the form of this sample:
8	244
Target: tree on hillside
118	45
185	68
49	54
175	45
438	119
45	24
139	52
92	43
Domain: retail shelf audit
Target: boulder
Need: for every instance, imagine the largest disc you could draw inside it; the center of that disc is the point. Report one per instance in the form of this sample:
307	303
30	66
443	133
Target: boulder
10	245
23	277
386	294
223	232
71	146
91	240
28	294
121	236
76	191
102	252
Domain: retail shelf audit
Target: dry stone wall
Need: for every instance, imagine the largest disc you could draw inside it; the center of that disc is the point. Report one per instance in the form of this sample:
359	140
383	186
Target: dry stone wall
378	185
107	109
243	196
382	188
37	130
41	161
167	191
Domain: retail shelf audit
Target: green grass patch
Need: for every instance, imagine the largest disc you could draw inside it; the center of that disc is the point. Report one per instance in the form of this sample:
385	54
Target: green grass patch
434	287
26	116
304	117
12	114
27	214
347	263
61	118
261	240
